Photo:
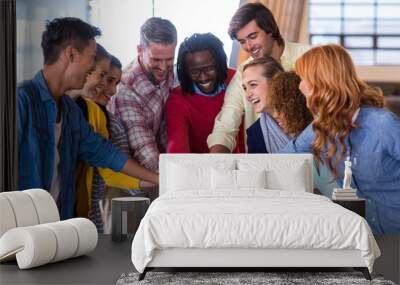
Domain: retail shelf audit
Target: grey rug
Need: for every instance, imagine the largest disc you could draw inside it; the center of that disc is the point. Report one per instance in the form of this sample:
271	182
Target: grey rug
229	278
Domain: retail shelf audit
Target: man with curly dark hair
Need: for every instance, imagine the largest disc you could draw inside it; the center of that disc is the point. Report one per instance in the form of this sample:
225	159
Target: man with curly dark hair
192	107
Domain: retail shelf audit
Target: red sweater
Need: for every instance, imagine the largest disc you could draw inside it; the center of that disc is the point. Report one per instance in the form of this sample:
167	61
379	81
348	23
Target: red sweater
190	119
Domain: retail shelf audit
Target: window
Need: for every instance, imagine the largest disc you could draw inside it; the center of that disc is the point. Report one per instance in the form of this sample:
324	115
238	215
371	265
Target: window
368	29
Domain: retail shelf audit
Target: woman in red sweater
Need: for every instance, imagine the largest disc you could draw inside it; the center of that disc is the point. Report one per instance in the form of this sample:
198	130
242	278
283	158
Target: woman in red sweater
192	107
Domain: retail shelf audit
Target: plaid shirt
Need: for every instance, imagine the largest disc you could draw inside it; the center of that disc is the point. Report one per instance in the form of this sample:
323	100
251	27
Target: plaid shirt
139	107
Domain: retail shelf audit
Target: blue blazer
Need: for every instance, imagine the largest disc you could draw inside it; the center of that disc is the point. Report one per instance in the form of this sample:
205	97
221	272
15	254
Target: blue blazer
255	139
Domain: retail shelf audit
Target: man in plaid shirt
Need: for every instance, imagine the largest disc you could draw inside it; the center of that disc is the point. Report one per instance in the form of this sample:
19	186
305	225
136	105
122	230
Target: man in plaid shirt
145	84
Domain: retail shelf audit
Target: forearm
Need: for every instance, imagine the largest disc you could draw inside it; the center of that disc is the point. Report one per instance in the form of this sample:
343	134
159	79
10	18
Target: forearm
143	185
134	169
118	179
227	122
144	147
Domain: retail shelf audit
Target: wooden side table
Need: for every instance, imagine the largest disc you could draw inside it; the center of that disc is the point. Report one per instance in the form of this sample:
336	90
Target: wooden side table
120	207
356	205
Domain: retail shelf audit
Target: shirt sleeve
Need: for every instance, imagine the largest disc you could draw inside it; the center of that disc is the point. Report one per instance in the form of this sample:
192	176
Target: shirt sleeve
301	143
98	151
118	179
228	120
390	133
142	140
98	121
177	126
21	116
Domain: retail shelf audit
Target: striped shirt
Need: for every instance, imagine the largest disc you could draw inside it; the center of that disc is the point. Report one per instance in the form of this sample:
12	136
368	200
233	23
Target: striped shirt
139	107
96	195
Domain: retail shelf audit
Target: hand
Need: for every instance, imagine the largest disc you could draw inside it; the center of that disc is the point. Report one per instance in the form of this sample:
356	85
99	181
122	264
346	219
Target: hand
134	169
219	148
145	184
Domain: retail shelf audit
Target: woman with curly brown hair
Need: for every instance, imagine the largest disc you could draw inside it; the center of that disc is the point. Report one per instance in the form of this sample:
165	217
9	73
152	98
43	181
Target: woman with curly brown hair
288	104
349	121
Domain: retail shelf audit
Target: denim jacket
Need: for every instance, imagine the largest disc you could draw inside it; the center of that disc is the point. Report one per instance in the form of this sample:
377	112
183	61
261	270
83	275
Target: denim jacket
37	112
374	150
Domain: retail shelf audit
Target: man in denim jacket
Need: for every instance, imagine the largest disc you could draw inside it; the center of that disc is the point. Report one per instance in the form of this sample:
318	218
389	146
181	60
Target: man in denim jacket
52	132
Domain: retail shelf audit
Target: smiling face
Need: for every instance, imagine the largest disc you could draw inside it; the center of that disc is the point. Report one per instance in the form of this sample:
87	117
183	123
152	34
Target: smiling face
157	60
254	40
81	64
202	70
112	79
96	80
256	87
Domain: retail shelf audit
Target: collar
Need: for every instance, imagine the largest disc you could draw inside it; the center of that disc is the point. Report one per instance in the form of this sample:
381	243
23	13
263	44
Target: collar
45	95
148	76
219	89
354	118
285	53
40	82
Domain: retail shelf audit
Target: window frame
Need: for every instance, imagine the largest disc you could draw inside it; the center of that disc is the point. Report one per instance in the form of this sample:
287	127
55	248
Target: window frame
342	35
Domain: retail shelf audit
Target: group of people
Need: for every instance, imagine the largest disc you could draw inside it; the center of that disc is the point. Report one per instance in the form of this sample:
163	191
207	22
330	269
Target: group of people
85	124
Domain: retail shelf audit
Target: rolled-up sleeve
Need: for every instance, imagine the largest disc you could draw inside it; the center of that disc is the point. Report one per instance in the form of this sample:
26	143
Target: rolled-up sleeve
141	138
228	120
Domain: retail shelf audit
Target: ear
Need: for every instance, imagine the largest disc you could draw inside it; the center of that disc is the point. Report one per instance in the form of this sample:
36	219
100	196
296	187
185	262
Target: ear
140	49
70	53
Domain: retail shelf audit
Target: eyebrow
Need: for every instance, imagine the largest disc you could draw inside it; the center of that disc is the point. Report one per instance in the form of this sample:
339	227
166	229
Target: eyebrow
251	81
157	58
203	66
251	34
248	36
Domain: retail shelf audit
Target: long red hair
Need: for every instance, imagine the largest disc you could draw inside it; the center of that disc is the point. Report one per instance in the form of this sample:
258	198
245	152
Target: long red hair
336	92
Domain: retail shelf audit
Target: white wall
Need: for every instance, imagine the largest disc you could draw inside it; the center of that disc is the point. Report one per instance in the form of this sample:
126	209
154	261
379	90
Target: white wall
120	21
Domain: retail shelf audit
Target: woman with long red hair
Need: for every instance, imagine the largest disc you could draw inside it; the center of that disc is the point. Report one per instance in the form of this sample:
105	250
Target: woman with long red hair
349	121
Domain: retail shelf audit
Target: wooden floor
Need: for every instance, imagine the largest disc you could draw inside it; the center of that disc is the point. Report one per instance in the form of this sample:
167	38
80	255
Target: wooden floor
110	259
102	266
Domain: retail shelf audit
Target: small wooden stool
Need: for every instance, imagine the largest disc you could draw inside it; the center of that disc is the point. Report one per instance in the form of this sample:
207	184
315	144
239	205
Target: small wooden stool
119	212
